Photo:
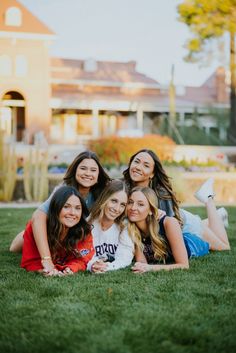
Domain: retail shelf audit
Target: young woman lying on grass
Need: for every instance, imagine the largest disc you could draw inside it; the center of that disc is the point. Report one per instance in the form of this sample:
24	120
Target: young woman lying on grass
145	169
87	175
69	236
159	243
114	248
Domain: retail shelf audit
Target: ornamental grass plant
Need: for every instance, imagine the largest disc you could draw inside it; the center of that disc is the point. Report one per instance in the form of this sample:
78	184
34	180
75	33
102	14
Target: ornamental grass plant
179	311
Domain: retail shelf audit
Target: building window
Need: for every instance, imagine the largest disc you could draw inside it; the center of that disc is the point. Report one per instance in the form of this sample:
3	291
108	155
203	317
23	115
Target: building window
6	120
90	65
5	65
85	124
70	127
13	17
21	65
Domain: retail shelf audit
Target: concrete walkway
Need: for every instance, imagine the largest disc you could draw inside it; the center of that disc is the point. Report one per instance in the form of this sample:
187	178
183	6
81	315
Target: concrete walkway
19	204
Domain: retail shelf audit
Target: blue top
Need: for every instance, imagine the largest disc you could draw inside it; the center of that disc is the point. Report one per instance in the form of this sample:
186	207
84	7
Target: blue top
147	243
89	200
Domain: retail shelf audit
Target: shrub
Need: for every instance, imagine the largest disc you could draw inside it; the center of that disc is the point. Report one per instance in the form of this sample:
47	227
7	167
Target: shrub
116	151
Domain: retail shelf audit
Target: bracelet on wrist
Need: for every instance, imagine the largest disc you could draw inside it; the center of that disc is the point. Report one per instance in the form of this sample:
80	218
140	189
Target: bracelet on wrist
43	258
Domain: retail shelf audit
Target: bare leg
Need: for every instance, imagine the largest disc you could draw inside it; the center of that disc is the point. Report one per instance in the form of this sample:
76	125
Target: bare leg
213	227
222	212
214	242
215	232
205	222
17	243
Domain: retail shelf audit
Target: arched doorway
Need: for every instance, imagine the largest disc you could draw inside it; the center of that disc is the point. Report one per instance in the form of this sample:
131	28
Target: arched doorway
12	115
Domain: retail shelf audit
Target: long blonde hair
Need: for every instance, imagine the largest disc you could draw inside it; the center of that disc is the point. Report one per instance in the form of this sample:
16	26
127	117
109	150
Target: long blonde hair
159	245
97	211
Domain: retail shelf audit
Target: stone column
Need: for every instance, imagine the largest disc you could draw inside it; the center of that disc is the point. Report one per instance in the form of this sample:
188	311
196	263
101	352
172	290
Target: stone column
140	119
95	116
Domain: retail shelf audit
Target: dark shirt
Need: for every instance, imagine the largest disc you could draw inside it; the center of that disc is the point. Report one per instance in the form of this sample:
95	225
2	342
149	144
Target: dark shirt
89	200
165	203
148	251
167	206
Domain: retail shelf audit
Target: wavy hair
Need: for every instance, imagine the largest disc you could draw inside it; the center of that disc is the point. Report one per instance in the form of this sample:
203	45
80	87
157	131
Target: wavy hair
159	245
97	211
160	182
55	228
103	177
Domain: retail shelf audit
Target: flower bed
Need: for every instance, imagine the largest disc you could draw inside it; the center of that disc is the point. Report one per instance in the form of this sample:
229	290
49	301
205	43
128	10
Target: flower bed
184	183
116	151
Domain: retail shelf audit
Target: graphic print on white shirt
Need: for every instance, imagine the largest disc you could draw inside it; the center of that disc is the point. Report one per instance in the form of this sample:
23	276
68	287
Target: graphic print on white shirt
106	251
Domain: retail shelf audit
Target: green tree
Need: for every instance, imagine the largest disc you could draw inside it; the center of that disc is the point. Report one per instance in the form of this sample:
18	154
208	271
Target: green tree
207	20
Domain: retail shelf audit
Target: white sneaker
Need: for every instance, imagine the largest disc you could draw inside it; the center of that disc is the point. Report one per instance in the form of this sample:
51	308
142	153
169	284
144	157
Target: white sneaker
224	216
205	191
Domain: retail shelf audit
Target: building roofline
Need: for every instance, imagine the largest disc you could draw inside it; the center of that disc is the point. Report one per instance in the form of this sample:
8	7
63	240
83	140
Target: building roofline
103	83
26	35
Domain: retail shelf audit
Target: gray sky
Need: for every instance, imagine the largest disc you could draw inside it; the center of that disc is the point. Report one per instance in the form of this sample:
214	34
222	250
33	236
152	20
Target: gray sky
146	31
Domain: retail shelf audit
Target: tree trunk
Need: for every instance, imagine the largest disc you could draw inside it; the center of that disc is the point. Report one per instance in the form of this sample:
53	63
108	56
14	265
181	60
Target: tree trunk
232	126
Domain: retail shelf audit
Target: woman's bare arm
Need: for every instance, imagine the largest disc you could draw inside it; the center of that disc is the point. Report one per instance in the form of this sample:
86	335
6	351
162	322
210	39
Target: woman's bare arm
176	242
39	226
139	256
178	249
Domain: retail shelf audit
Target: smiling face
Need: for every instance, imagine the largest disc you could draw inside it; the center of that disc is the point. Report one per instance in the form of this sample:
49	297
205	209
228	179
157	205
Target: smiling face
138	207
141	169
115	205
71	212
87	173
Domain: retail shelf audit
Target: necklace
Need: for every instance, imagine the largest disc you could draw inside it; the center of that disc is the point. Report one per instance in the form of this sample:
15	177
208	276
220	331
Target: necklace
144	237
104	227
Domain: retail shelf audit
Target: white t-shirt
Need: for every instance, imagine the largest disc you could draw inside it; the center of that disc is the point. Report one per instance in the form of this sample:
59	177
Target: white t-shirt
113	245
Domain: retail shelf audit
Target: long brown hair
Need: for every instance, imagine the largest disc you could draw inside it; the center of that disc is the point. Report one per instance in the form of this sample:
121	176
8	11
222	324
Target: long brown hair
159	245
160	182
55	228
103	177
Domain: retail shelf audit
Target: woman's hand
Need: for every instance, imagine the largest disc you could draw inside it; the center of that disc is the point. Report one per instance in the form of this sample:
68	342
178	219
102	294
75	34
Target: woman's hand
67	271
140	267
54	272
99	266
49	269
47	264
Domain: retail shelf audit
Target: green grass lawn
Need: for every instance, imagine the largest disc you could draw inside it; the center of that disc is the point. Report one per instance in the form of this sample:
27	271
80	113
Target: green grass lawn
179	311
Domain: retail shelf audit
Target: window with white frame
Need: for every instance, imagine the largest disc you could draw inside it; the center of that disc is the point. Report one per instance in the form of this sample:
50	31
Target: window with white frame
5	65
21	65
13	17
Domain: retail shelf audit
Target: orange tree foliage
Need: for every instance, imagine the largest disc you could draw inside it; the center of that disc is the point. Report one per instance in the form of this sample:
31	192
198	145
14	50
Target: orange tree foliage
115	151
